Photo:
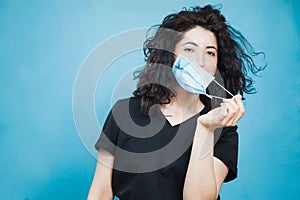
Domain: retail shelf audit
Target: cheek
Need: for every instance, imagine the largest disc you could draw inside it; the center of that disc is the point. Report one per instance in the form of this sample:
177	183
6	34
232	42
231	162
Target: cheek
211	65
211	69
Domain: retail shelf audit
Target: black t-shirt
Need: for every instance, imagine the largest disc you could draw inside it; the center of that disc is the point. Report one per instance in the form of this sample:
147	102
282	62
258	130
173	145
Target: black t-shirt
148	163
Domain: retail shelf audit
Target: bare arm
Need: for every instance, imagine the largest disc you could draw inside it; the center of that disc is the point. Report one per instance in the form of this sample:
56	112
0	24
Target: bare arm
206	174
101	186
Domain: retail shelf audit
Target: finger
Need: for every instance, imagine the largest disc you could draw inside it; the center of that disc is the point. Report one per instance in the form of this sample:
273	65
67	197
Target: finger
241	109
214	118
239	102
219	113
229	115
233	109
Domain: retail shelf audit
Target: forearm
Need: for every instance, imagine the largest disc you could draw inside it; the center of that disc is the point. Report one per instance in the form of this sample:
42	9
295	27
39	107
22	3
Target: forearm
101	188
200	181
99	193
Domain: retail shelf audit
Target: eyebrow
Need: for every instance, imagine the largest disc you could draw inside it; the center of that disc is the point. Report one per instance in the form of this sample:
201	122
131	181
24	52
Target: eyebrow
212	47
193	43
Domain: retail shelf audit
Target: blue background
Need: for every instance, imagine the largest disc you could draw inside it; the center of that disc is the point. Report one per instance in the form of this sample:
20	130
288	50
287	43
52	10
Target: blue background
44	43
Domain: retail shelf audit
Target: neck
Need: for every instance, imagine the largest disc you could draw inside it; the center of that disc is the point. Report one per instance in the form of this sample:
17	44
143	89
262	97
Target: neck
187	101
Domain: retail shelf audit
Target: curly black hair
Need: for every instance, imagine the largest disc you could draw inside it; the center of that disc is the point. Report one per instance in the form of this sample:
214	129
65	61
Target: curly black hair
235	56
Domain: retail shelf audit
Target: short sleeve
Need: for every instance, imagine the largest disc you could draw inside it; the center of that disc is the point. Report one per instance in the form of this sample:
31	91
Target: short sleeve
226	149
108	138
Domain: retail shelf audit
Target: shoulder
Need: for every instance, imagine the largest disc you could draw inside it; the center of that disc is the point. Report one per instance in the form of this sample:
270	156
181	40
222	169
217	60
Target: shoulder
127	104
227	134
226	149
229	130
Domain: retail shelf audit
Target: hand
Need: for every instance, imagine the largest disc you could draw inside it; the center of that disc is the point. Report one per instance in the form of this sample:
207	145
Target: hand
228	114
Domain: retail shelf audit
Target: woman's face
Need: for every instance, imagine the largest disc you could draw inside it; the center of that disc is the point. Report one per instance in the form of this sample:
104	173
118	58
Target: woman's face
199	46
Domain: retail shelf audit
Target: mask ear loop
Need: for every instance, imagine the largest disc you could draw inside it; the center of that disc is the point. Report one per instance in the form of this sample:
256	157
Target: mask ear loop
212	96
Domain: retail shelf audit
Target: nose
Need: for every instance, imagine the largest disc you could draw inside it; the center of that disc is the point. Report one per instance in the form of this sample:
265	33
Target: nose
201	59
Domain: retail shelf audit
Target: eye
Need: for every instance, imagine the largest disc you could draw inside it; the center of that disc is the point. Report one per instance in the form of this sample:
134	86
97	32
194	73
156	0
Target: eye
189	50
211	53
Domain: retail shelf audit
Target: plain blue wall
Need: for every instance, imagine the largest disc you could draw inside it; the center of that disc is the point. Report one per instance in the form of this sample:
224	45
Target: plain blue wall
42	46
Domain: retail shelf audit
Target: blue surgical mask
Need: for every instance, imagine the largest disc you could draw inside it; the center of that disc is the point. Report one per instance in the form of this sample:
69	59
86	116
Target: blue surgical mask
190	78
193	79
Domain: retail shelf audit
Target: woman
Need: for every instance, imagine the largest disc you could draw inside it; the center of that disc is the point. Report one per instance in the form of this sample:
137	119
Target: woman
205	155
